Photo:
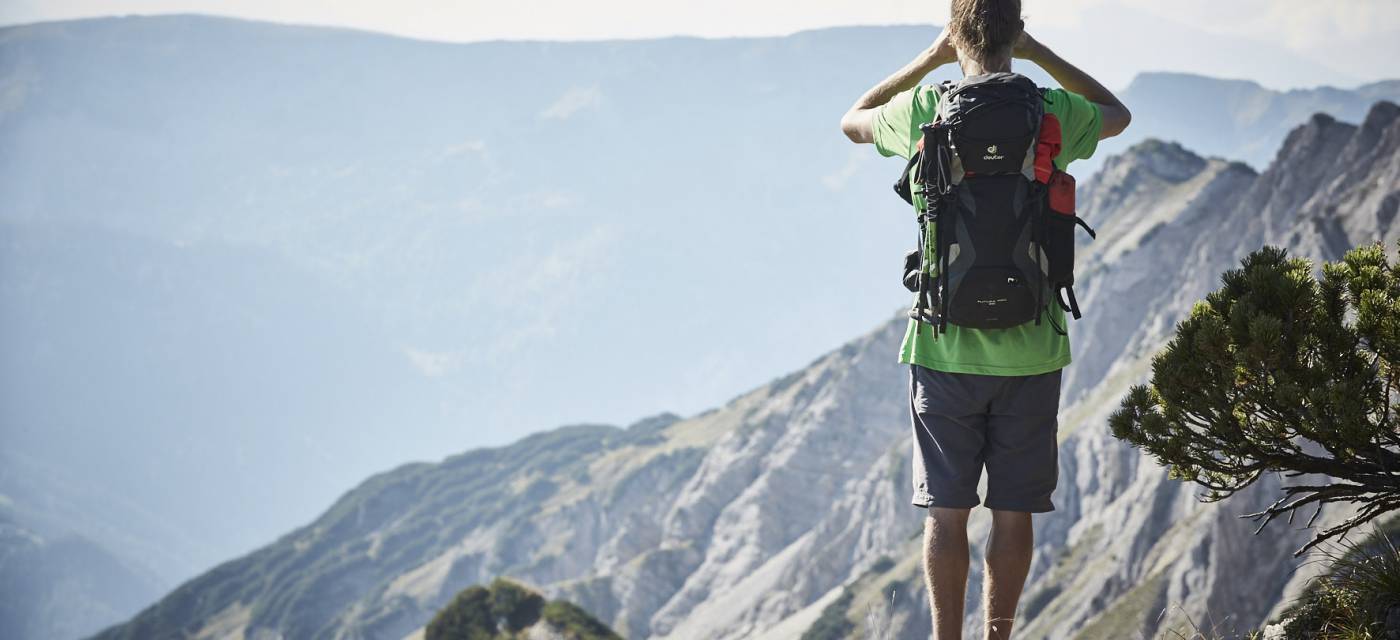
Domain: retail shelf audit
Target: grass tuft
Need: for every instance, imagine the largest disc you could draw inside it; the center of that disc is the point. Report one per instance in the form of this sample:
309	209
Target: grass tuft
1357	596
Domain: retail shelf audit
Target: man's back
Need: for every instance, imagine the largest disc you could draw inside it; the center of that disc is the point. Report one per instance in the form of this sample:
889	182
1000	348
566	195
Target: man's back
982	399
1028	349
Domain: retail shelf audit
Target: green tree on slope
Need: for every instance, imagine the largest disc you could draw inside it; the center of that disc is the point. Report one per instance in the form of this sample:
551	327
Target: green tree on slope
506	610
1278	371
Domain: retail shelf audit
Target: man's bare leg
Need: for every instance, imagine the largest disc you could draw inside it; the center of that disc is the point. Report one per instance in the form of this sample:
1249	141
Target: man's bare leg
1008	559
945	569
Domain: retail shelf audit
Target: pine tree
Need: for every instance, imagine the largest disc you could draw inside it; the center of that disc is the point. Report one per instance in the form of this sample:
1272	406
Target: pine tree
1278	371
513	606
467	617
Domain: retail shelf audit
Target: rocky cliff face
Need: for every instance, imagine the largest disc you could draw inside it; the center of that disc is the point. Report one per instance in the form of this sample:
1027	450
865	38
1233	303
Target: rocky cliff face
724	524
748	520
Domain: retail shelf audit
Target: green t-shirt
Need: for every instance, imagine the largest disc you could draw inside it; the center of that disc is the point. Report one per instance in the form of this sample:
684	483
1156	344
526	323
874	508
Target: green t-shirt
1018	351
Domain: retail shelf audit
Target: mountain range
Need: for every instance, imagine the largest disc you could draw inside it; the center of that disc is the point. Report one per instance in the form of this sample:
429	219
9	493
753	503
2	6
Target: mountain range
751	520
245	265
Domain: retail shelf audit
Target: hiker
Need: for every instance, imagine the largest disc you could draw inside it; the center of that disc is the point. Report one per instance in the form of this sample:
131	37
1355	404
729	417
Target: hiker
987	338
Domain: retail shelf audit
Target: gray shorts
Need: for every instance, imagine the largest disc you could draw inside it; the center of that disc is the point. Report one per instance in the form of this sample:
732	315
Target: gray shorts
963	422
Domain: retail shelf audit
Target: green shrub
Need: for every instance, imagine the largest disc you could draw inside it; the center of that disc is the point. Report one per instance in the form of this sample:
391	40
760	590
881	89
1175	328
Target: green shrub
1356	596
514	605
505	609
1279	371
467	617
833	623
576	623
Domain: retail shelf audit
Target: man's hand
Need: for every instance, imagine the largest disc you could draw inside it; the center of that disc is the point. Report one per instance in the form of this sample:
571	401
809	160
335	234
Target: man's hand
858	123
1115	116
1027	48
942	51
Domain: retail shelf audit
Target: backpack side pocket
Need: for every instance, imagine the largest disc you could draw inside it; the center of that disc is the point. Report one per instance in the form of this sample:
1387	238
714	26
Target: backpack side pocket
1059	230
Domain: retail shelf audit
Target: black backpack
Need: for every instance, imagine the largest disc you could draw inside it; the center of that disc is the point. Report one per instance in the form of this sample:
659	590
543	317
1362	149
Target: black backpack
998	217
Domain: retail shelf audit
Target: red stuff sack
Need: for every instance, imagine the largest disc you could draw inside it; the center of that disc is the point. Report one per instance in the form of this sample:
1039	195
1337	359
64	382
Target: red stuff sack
1047	146
1061	192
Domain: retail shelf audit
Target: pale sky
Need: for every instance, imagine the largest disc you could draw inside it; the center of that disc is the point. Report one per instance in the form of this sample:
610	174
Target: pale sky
1360	39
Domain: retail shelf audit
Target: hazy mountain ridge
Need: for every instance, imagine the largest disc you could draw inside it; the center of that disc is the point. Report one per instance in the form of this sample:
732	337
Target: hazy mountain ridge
63	586
1233	119
712	527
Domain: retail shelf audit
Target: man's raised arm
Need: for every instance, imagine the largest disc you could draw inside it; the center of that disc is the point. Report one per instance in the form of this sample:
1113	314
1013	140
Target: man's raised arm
1115	116
858	123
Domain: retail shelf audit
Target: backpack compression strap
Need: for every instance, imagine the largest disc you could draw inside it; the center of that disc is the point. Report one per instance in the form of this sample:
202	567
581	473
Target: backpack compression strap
904	186
1073	305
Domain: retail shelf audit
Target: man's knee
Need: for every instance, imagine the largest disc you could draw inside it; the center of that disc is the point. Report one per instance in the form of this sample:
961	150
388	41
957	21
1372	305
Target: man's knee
1012	527
1010	519
948	518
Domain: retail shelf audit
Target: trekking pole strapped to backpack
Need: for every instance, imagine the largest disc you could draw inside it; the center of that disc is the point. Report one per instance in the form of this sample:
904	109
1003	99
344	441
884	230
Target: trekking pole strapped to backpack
996	225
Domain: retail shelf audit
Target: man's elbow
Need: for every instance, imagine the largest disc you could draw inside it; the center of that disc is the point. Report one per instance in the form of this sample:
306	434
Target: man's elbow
1118	121
856	126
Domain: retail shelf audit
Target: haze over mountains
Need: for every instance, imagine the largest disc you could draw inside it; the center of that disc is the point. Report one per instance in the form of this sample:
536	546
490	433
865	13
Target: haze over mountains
243	266
1283	44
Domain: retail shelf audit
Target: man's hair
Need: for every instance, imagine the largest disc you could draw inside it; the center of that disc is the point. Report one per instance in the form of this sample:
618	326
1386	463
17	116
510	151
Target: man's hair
986	29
